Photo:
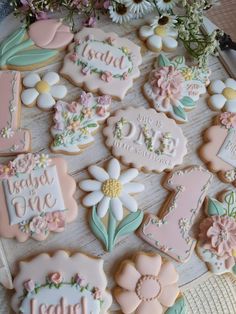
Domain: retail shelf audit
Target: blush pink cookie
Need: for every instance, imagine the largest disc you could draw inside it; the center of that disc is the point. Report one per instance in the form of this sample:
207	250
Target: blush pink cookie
145	139
13	139
219	148
37	197
102	62
146	284
188	190
61	283
217	236
36	47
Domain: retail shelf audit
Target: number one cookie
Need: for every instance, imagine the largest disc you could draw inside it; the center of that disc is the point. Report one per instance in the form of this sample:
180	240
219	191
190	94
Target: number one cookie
12	139
170	232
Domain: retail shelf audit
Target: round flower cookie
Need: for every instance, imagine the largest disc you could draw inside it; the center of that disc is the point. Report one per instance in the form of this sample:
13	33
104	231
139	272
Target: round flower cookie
160	34
173	87
37	196
109	193
145	139
75	123
102	62
223	95
33	48
61	283
42	91
146	284
219	150
217	237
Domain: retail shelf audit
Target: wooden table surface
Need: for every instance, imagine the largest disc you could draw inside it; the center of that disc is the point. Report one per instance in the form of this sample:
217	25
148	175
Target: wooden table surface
78	236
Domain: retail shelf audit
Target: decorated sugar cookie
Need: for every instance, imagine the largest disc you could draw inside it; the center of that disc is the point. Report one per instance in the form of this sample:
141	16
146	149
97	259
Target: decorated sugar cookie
223	95
102	62
36	47
110	192
217	235
188	190
219	148
77	122
37	197
43	92
145	139
61	283
173	87
160	34
13	139
147	284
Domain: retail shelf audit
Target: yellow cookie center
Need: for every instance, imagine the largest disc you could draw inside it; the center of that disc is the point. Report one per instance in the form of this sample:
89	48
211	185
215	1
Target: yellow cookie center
160	31
42	87
112	188
229	93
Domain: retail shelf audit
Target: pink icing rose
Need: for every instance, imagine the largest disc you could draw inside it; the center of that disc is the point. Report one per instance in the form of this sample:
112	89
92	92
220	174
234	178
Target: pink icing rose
55	278
106	76
7	171
24	163
38	225
79	280
110	40
101	111
218	234
73	107
228	119
56	221
86	99
104	100
85	70
74	57
167	84
29	285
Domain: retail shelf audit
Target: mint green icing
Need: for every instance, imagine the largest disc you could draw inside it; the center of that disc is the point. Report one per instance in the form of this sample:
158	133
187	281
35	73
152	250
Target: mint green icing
12	40
179	112
178	308
187	102
163	61
215	208
97	227
32	56
111	230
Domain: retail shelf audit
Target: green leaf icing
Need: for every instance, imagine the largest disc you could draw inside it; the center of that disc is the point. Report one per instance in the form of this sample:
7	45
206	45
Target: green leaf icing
163	61
215	208
29	57
129	224
187	102
234	269
12	40
179	112
97	227
178	308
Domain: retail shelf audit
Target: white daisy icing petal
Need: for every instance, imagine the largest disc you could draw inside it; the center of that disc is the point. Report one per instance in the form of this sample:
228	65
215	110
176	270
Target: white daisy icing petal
120	13
110	195
43	92
139	8
223	95
160	34
165	6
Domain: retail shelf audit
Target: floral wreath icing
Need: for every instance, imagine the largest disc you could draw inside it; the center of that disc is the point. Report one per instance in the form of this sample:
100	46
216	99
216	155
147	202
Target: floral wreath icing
223	95
109	192
37	197
13	140
43	91
61	283
189	187
173	87
77	122
102	62
145	139
30	49
219	150
146	284
217	236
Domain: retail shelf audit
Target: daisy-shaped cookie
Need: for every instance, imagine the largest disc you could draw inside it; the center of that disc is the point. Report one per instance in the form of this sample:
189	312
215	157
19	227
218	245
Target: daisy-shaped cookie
42	92
160	34
147	285
223	95
109	192
217	237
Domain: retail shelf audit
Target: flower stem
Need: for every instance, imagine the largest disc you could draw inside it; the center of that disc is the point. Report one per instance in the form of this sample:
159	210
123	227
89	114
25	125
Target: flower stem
111	230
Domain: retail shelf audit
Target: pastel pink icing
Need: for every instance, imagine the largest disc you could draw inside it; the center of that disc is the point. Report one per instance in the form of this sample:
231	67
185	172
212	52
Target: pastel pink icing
146	284
50	34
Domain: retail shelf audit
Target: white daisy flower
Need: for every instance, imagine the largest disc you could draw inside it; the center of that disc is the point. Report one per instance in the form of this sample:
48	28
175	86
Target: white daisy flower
139	7
7	132
111	189
120	13
166	5
160	34
43	91
223	95
42	160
